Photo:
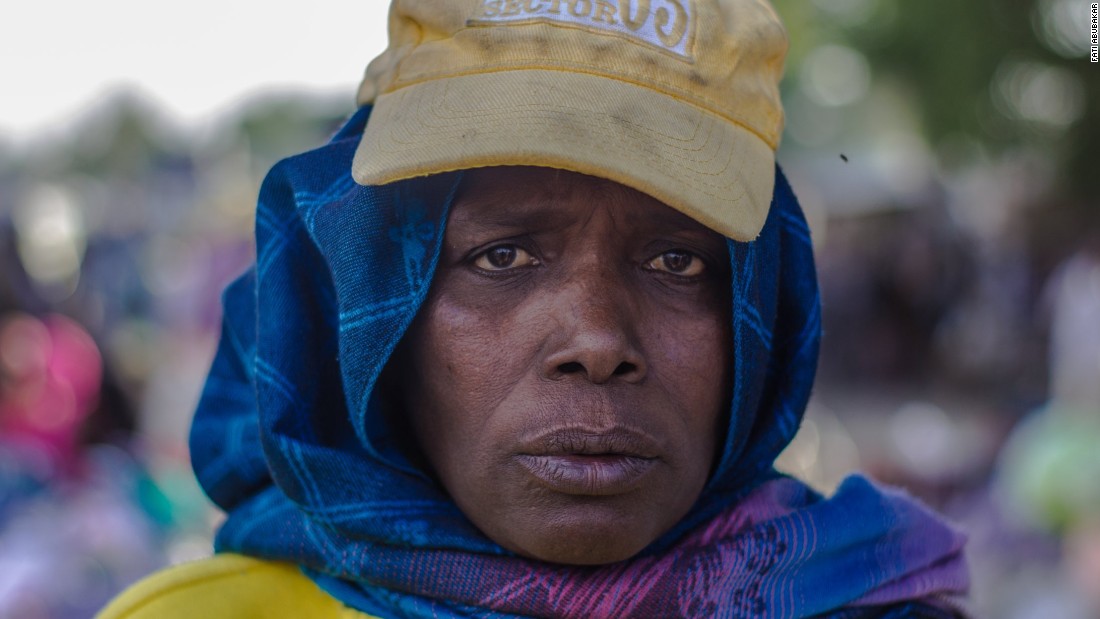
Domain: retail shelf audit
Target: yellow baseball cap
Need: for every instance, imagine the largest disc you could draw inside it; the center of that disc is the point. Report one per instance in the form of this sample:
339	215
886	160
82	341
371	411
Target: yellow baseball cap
676	98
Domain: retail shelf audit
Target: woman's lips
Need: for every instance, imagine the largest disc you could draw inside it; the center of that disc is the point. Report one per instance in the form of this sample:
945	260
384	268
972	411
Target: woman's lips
588	474
584	462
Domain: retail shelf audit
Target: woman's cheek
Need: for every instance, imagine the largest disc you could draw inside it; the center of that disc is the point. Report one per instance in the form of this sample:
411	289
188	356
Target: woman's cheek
481	349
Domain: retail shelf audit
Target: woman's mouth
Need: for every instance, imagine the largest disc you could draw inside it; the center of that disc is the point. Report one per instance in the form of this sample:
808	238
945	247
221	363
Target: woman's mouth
589	475
590	463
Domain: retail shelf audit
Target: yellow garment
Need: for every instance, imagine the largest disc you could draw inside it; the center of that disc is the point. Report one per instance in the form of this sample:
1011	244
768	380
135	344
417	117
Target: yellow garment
228	586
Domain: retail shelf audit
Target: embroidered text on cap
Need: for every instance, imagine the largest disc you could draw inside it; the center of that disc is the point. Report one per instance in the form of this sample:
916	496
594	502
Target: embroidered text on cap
666	24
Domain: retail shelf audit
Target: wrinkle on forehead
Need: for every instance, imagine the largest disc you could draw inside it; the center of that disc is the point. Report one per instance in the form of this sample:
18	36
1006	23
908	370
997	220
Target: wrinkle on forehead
531	198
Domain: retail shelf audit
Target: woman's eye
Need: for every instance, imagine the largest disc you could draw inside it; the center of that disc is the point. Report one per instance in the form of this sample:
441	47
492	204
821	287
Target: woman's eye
678	262
504	257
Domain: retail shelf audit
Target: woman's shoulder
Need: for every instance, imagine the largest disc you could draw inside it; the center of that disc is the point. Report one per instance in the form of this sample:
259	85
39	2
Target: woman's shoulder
224	586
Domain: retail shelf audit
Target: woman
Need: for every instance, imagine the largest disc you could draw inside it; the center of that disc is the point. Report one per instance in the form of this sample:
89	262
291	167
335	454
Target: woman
525	338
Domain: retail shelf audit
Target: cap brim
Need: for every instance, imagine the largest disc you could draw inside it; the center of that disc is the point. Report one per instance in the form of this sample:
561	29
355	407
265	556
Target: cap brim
707	167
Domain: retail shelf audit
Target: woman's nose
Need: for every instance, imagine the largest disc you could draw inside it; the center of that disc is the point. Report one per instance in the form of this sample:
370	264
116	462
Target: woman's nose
597	325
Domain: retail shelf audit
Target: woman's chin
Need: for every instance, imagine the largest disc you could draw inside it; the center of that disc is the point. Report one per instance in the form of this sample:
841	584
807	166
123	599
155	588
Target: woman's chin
584	537
585	550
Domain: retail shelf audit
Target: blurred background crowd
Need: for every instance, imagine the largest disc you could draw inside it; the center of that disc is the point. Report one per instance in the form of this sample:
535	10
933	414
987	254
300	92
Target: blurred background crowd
946	154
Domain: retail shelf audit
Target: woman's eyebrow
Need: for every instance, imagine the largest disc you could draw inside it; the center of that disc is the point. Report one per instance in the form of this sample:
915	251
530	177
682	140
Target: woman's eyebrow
668	221
673	221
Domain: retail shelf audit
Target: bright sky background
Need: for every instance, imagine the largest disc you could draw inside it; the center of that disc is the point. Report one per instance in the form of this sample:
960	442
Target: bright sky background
195	60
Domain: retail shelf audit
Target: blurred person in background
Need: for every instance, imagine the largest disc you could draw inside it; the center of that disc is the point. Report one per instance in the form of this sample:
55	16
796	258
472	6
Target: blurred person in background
526	337
1050	466
77	512
1073	300
51	372
72	527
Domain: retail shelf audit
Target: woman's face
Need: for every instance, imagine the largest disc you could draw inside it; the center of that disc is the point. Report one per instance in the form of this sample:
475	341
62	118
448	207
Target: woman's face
567	377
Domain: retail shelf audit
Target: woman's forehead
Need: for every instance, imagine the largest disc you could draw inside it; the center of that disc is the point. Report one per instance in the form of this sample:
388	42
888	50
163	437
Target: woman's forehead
528	196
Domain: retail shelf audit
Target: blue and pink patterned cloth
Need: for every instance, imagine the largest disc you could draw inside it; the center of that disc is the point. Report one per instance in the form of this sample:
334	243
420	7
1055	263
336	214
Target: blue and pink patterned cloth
291	441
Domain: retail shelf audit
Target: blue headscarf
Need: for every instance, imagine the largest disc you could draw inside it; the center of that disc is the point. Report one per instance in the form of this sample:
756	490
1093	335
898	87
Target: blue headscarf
290	440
